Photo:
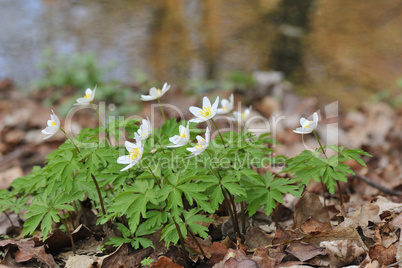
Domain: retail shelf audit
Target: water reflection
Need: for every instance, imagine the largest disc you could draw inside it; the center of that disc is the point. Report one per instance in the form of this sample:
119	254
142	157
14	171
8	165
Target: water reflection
115	31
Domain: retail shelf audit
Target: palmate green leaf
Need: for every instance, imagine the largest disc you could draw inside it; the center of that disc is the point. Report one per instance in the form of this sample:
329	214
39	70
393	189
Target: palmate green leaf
154	219
46	210
192	220
170	234
232	185
252	176
133	202
267	193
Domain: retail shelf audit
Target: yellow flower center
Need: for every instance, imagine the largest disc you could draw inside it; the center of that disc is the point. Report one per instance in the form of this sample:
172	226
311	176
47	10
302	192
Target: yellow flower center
87	96
199	146
183	135
206	112
53	123
134	154
244	116
224	108
143	133
159	91
306	126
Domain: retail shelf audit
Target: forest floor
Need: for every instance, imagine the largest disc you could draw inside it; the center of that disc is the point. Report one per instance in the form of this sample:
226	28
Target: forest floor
364	232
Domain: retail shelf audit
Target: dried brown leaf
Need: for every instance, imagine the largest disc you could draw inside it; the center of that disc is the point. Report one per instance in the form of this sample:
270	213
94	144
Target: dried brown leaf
309	205
165	262
385	256
236	258
312	225
262	259
343	252
304	252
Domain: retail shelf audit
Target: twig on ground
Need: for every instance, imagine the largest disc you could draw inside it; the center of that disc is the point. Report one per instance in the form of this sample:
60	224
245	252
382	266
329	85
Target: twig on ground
376	185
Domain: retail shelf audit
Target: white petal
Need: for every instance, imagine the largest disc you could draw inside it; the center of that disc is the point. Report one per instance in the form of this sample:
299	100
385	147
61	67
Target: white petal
198	120
207	135
147	98
312	126
205	103
165	88
231	98
129	146
182	129
82	101
93	93
301	130
129	166
195	111
215	105
55	119
88	91
302	120
191	149
154	92
315	117
125	159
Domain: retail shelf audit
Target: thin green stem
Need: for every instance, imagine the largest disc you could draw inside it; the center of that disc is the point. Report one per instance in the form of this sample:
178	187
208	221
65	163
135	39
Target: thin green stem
157	141
97	113
243	217
236	222
224	145
195	240
322	182
103	124
231	209
319	142
69	234
9	219
99	194
156	179
72	141
337	182
181	238
275	217
160	106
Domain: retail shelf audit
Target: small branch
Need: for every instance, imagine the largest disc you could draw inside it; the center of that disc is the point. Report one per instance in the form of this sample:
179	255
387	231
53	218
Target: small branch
195	240
163	114
9	219
99	194
69	234
377	186
223	142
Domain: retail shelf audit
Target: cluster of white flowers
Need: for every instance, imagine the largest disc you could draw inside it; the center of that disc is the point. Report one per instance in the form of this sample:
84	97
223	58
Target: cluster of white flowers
207	112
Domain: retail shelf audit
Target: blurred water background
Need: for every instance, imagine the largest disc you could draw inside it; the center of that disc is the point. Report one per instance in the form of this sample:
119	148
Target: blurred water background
347	50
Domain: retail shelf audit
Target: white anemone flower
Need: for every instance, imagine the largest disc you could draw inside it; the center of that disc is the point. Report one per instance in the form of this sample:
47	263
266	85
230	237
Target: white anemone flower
88	98
242	117
134	154
307	126
207	112
183	138
145	129
227	105
201	145
53	125
155	93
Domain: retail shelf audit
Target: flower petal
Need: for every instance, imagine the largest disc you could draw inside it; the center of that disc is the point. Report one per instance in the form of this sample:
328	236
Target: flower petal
315	117
206	102
147	98
129	146
125	159
195	111
154	92
215	105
